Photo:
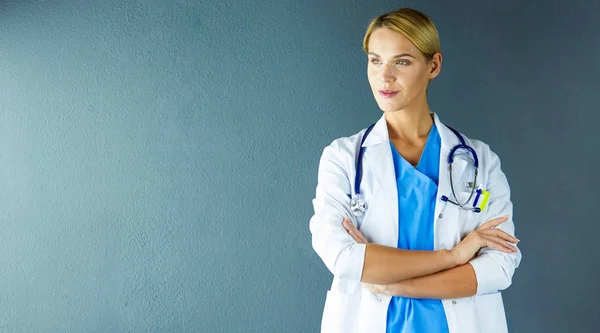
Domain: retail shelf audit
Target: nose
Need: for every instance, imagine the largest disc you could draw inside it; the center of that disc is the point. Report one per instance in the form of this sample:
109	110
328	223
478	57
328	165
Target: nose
387	74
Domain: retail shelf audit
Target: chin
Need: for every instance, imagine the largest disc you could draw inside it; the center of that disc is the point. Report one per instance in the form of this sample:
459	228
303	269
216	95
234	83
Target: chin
388	107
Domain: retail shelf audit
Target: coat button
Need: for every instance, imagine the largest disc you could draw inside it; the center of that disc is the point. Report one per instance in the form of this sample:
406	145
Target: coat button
454	302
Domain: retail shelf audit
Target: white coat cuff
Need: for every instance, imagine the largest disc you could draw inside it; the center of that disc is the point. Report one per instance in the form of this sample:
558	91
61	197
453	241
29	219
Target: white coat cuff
488	277
349	264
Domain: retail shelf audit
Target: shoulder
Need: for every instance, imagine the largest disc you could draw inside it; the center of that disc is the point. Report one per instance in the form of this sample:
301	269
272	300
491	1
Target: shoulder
338	158
344	147
478	145
488	159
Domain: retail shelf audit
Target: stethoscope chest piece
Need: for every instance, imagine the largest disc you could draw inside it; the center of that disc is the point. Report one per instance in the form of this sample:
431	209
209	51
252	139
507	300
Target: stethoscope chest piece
358	206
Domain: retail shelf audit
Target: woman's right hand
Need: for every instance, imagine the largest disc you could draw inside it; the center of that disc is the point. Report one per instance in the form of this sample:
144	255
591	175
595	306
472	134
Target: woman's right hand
485	236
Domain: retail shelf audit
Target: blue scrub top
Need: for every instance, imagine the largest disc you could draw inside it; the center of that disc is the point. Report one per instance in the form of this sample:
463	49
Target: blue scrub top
417	193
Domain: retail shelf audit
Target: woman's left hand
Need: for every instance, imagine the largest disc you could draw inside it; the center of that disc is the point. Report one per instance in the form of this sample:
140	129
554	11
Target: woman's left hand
360	238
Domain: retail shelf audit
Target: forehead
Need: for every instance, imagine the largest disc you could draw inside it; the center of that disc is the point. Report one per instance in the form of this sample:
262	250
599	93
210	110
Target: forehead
386	42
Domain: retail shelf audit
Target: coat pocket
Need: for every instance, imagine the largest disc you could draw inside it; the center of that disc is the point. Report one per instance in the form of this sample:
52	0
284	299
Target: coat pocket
469	219
340	314
462	315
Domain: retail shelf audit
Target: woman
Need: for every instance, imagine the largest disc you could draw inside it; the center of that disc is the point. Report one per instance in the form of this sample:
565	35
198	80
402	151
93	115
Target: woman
423	256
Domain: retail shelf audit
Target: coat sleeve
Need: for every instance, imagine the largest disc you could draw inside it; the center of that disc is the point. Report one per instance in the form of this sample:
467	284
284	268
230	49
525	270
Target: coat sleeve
343	256
495	269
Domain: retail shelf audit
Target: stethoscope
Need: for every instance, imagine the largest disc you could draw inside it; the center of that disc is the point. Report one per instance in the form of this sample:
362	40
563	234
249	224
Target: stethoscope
358	206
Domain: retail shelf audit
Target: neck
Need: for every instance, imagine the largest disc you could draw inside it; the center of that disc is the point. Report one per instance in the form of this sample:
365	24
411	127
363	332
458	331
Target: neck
409	124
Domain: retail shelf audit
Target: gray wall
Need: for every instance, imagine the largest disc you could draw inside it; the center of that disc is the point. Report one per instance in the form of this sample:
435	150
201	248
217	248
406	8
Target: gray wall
158	158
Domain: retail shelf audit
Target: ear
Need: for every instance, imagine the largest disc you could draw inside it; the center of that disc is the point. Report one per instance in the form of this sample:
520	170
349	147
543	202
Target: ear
436	65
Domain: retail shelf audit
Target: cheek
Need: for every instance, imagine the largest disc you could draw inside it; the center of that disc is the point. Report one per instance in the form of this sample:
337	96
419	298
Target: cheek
418	77
371	77
409	82
372	84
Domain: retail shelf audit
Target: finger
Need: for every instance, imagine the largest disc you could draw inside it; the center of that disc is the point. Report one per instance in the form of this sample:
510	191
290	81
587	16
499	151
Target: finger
346	224
500	245
357	232
354	236
377	288
502	235
362	237
358	236
352	227
370	287
373	288
493	223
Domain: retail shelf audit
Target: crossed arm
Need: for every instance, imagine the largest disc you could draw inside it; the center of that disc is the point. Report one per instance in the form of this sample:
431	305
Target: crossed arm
483	262
453	281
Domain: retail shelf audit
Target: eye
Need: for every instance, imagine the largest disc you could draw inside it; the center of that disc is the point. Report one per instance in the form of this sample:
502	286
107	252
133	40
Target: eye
402	62
375	61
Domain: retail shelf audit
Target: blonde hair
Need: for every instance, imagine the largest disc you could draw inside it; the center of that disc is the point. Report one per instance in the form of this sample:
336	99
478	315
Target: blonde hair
415	25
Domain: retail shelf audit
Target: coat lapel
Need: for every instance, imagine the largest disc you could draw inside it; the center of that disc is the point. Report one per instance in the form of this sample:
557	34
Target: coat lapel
378	155
443	237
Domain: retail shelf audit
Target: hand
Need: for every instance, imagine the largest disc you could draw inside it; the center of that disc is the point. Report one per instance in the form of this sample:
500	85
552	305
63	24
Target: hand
485	236
353	231
377	289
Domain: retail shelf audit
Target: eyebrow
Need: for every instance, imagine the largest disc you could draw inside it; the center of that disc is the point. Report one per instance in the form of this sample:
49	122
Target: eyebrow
396	56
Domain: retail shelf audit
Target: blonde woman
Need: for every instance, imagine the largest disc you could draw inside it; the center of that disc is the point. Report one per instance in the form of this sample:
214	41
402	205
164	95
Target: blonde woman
414	245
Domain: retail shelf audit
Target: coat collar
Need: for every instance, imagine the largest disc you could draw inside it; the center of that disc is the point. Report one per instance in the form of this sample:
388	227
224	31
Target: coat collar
379	160
379	134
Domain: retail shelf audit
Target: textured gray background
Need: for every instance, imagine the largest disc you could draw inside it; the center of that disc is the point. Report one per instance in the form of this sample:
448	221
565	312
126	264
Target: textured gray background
158	158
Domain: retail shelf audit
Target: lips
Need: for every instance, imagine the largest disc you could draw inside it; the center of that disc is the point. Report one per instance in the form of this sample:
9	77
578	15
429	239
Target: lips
388	93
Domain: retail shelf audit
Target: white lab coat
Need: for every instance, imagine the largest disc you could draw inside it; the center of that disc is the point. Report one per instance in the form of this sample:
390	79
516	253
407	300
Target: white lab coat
351	308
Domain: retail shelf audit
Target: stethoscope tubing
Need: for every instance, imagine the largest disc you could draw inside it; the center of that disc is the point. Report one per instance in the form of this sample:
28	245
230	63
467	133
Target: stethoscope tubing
358	206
